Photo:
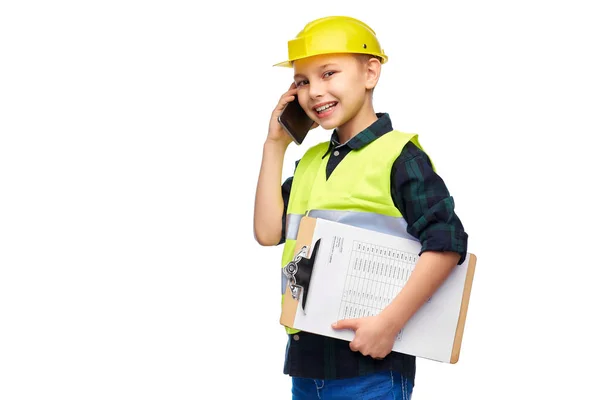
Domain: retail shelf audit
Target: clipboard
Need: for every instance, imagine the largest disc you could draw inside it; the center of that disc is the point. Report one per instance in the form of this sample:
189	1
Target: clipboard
297	291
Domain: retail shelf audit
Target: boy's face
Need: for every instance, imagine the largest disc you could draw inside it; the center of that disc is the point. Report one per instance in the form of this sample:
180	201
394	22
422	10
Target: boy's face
333	88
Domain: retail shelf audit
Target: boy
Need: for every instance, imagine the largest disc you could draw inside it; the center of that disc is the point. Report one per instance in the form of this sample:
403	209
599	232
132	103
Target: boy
367	175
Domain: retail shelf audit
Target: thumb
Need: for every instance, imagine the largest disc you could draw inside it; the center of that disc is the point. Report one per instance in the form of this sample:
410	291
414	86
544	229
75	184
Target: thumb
351	323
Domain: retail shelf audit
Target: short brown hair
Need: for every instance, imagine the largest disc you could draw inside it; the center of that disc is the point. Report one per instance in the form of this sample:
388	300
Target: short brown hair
366	57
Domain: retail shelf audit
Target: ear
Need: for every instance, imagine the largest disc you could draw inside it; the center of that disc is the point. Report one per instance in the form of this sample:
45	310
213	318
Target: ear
372	71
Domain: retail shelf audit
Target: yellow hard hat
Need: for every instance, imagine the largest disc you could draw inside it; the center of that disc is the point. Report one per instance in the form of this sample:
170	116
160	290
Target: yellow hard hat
333	35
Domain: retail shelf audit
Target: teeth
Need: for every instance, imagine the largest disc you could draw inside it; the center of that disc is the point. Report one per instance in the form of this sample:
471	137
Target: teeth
325	107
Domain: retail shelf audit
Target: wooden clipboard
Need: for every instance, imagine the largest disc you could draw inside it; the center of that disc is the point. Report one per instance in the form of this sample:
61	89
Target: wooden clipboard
290	306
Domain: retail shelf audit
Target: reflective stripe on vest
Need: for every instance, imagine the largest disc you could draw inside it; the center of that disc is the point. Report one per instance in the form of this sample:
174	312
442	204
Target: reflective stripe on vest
292	225
376	222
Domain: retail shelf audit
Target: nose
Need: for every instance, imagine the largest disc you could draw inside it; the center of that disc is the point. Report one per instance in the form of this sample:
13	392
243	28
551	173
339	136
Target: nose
316	89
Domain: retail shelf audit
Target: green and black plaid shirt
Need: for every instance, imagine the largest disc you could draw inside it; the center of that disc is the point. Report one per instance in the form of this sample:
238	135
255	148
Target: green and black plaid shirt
425	203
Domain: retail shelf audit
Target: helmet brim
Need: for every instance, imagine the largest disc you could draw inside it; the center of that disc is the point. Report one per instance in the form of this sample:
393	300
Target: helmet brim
289	63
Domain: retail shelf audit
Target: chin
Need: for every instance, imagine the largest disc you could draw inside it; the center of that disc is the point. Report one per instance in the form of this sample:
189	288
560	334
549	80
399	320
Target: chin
331	123
328	125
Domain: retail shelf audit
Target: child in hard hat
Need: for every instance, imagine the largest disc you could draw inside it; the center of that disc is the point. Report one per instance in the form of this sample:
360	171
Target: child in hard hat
369	175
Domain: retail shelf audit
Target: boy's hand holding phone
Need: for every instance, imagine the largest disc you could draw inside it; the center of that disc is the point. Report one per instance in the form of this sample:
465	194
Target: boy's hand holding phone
276	132
288	121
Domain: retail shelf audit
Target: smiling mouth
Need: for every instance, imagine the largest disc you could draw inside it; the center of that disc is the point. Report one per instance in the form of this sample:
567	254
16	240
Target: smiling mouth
322	109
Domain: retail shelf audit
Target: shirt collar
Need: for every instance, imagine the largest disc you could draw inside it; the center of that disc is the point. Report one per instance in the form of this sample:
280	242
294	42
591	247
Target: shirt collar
377	129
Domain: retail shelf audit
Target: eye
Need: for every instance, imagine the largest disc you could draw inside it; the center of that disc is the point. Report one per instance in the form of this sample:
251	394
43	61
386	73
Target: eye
328	74
302	83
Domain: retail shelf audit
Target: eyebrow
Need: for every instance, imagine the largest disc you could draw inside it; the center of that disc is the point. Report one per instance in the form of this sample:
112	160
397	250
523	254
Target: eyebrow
322	67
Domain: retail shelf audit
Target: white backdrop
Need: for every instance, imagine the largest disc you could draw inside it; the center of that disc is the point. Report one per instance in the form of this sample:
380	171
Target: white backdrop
131	138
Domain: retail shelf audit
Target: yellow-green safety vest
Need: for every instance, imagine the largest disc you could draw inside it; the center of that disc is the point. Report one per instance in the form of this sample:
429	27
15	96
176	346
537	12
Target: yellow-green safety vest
358	192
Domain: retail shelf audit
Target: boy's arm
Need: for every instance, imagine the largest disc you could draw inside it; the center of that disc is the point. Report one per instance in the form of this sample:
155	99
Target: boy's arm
269	207
425	202
268	203
286	190
426	205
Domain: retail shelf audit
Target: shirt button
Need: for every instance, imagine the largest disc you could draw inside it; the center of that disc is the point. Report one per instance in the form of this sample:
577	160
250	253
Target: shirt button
336	153
296	337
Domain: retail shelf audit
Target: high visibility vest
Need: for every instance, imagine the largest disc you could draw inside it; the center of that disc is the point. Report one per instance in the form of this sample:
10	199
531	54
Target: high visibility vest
357	193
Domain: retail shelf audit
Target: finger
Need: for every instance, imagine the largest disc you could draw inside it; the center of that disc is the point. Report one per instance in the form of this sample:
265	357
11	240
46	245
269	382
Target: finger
287	99
292	89
291	93
282	103
353	346
351	323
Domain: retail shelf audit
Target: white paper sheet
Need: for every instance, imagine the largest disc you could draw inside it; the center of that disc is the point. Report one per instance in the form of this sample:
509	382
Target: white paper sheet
358	272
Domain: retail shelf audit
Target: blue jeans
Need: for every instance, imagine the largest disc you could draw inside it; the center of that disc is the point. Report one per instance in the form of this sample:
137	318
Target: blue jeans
381	386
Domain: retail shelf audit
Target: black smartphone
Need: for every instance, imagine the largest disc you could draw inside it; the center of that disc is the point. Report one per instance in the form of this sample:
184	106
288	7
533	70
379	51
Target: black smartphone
295	121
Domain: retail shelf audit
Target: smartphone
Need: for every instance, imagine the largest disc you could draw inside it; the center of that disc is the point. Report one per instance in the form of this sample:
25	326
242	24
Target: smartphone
295	121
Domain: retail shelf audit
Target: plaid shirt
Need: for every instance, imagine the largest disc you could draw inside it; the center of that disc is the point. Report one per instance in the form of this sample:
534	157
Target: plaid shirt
423	200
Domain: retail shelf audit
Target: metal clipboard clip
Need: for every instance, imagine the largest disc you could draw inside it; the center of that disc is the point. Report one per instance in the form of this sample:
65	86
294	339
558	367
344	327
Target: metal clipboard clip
298	273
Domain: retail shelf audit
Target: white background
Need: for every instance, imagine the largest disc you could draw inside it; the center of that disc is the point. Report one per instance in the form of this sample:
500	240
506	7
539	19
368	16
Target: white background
131	139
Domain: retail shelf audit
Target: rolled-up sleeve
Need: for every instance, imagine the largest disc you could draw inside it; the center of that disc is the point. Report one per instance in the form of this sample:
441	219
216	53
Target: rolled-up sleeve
422	197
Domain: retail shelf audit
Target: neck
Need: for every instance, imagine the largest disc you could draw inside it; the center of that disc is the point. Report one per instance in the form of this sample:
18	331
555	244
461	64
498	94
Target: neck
362	120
